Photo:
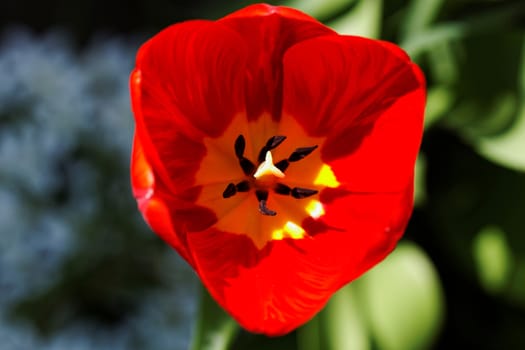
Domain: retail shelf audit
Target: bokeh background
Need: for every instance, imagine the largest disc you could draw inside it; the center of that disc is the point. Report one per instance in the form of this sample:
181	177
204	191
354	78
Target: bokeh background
80	270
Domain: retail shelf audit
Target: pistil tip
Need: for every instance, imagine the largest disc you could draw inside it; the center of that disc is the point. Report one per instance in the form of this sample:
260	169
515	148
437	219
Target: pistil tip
268	168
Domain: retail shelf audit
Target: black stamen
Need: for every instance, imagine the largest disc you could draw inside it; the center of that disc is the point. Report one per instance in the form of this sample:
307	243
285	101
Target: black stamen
240	145
272	143
282	189
243	186
229	191
282	165
264	209
247	166
299	192
262	197
300	153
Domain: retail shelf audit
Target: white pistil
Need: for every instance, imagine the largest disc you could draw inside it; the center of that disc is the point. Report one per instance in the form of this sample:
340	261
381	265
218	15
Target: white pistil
267	168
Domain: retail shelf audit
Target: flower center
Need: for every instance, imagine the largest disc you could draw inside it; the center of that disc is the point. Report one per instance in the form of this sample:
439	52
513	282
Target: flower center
264	177
243	203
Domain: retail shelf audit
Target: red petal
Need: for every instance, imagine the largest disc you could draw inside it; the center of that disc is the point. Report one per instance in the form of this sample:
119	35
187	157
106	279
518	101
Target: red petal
269	31
188	84
152	206
367	98
142	179
280	287
261	10
172	218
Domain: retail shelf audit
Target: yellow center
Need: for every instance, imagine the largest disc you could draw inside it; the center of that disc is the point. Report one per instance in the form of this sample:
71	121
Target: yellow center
240	213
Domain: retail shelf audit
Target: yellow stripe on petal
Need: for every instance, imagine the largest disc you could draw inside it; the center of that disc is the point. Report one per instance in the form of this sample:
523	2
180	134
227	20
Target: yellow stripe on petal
289	230
278	234
295	231
326	177
315	209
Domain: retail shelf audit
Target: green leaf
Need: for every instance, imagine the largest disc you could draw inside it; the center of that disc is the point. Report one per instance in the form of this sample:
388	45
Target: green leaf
309	335
420	193
339	326
488	21
343	323
439	101
493	258
516	289
444	64
215	329
320	9
508	149
403	300
420	13
489	119
364	19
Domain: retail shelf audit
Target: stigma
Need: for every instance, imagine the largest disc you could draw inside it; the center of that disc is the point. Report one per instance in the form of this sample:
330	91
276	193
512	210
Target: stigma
268	168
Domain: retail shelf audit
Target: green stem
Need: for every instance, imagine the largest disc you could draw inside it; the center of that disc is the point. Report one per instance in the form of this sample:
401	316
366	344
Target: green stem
214	329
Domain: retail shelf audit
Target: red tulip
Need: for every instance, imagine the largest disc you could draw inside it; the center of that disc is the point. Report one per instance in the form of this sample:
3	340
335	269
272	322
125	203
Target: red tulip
276	156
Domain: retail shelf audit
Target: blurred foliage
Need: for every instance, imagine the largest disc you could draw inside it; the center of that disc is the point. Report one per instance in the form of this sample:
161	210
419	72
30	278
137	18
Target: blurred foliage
80	270
78	267
215	329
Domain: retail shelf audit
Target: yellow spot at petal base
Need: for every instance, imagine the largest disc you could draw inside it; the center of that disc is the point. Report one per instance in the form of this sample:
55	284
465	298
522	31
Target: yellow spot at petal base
294	230
326	177
315	209
289	230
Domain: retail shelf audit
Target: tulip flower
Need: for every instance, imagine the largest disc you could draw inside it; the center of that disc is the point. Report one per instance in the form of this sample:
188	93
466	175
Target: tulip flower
275	156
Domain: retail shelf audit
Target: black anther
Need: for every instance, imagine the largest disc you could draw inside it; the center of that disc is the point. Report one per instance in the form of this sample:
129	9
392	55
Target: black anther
240	145
282	189
243	186
229	191
264	209
272	143
247	166
262	197
282	165
300	153
299	192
